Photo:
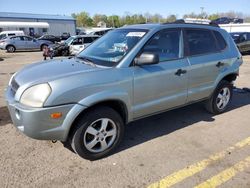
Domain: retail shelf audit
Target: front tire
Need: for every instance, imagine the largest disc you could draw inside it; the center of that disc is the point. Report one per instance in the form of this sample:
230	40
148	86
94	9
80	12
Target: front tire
221	98
97	133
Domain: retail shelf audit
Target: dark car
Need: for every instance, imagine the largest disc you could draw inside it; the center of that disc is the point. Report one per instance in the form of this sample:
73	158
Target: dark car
227	20
238	20
223	20
242	40
61	49
65	36
51	38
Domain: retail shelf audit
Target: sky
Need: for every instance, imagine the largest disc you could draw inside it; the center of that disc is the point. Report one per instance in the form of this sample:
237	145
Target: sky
121	7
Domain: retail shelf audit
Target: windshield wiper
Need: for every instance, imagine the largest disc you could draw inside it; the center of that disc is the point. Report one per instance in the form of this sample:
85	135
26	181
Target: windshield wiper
87	61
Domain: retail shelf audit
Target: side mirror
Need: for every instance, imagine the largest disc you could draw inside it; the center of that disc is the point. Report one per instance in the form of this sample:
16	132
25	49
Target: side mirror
147	58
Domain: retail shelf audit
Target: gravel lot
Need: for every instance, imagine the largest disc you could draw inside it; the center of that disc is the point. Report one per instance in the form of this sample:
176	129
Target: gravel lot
153	148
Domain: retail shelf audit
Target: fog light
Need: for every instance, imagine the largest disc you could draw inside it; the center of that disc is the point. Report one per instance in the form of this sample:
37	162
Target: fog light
56	115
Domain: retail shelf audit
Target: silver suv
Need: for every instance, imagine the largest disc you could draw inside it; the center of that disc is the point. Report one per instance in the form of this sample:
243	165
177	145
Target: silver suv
130	73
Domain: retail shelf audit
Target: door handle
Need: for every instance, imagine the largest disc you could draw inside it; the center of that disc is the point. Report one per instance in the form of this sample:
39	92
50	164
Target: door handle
179	72
219	64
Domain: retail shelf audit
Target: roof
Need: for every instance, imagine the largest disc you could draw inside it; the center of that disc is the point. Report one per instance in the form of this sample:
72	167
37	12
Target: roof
34	16
169	25
25	24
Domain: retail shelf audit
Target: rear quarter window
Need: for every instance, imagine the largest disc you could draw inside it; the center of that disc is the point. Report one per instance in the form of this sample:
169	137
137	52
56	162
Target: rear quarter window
220	40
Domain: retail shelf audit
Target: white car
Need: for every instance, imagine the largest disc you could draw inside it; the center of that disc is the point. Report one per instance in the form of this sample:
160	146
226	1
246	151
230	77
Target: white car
5	34
80	42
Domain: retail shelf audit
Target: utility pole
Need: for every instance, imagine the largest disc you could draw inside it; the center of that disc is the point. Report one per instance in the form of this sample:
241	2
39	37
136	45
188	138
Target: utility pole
202	11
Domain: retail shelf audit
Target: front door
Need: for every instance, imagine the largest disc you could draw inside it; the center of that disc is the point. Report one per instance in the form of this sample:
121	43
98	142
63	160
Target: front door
161	86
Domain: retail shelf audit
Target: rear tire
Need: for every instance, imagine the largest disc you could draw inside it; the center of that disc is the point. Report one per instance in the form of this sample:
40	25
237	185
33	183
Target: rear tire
97	133
10	48
221	98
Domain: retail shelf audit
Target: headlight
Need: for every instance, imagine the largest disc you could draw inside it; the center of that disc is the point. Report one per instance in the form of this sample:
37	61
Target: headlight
35	96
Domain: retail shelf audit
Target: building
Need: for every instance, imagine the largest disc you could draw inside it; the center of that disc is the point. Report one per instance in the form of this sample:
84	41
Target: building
244	27
37	24
102	24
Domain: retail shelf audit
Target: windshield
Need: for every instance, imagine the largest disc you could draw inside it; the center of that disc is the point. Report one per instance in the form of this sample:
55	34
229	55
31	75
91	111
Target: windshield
112	47
69	40
2	36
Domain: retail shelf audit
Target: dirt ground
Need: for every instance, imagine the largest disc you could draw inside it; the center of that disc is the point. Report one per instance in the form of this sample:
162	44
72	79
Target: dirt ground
180	148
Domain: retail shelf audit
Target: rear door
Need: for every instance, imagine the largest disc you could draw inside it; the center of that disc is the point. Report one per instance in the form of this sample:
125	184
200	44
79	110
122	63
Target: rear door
204	49
31	43
18	42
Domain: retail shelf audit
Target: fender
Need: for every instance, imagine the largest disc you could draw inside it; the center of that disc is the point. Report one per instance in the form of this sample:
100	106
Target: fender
107	95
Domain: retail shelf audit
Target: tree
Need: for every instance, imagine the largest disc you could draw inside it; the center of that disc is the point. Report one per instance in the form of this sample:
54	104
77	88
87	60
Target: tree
213	16
83	19
171	18
114	21
98	18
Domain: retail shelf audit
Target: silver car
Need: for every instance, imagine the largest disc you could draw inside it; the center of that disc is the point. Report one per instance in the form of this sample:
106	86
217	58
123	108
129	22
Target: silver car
130	73
11	44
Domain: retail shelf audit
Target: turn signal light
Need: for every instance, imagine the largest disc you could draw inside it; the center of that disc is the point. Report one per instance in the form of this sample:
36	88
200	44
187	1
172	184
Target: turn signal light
56	115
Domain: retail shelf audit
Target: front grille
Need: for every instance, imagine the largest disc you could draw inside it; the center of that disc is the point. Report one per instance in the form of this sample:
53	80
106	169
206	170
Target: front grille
14	86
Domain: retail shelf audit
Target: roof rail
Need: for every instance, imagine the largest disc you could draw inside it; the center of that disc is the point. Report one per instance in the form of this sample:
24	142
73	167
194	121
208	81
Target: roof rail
182	21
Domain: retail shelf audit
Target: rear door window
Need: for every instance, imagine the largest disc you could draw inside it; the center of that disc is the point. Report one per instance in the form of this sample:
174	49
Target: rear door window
200	41
11	34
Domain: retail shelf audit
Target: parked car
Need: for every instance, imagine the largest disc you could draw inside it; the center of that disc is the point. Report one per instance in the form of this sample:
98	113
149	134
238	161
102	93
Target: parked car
72	45
100	32
227	20
62	48
128	74
80	42
65	36
11	44
51	38
5	34
242	39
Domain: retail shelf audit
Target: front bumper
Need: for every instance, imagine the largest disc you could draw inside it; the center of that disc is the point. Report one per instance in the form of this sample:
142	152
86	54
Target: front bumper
2	46
37	122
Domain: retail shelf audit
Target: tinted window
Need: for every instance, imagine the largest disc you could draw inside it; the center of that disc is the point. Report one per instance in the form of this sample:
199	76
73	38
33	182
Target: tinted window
166	44
16	38
248	36
200	41
221	42
27	38
78	41
88	40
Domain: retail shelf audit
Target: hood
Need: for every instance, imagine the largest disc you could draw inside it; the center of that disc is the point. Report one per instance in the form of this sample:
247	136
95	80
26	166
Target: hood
50	70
